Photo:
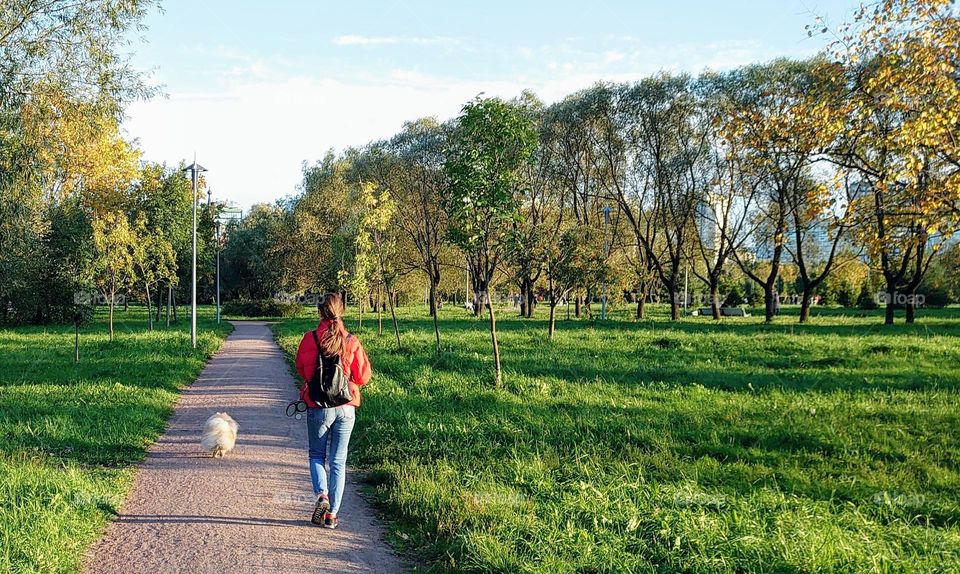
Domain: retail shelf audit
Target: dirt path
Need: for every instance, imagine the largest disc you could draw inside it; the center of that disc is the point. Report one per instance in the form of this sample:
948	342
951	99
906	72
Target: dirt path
249	511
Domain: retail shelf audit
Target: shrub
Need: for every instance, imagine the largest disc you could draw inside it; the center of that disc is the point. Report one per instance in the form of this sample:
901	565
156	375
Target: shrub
867	298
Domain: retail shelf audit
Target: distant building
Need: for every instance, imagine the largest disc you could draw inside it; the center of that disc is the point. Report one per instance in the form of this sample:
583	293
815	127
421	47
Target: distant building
710	215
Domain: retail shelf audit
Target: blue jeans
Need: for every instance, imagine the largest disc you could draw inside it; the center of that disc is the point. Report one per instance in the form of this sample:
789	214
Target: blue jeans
329	428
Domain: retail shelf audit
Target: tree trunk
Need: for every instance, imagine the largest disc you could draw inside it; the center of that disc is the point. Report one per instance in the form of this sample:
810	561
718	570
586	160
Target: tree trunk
393	314
379	311
888	313
769	303
111	318
715	301
641	308
911	307
496	346
806	299
553	319
175	319
480	298
76	341
531	301
149	308
112	298
576	307
433	312
552	323
169	299
156	319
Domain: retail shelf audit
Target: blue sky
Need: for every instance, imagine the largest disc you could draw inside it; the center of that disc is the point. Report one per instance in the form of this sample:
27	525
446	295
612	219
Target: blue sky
257	88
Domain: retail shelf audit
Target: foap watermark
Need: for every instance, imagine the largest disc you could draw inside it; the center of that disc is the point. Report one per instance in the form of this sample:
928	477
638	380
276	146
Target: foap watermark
896	298
92	297
86	499
293	498
485	499
310	299
900	499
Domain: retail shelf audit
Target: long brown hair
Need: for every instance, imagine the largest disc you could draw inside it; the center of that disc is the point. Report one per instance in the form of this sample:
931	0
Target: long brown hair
332	342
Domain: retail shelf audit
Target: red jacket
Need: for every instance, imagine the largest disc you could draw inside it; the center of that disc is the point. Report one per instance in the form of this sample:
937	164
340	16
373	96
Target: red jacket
354	359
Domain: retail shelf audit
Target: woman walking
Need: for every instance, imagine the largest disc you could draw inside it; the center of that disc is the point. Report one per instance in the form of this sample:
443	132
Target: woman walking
338	356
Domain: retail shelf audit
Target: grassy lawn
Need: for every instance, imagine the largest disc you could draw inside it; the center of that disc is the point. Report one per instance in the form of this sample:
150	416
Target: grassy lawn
660	447
70	433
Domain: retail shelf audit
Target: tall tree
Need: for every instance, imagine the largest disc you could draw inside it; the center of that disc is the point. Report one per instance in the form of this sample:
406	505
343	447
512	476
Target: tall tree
114	241
494	140
776	130
416	179
654	149
902	134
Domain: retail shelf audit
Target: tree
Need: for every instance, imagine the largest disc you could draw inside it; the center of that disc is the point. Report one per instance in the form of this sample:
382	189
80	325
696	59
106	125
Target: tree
75	44
163	196
114	242
539	217
361	274
322	227
254	260
721	215
777	126
653	149
411	167
819	212
153	260
576	259
901	135
570	127
494	139
376	235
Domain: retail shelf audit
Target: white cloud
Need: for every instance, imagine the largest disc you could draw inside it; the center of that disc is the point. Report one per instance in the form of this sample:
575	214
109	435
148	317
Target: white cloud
358	40
255	132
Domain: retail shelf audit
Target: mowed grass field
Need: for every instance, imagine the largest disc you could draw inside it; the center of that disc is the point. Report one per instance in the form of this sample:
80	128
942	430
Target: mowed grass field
70	433
653	446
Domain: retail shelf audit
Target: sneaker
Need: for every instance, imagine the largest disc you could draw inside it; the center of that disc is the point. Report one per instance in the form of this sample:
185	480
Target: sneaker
331	521
320	510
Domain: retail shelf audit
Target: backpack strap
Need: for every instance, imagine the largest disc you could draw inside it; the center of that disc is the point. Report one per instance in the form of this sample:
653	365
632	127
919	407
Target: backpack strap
316	341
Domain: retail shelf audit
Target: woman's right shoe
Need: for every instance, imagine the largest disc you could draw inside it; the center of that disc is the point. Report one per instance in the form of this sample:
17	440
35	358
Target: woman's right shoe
330	521
320	510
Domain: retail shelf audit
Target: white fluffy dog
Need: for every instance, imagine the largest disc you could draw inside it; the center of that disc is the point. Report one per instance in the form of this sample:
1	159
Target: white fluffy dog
219	434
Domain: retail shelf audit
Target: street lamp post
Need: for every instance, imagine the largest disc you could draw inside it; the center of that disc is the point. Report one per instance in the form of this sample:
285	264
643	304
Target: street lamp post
217	227
606	248
195	170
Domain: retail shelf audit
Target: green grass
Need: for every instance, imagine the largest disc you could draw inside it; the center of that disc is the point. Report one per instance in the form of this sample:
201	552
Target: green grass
71	433
659	447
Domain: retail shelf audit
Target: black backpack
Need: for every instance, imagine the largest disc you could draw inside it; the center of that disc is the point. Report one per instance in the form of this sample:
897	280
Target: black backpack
330	384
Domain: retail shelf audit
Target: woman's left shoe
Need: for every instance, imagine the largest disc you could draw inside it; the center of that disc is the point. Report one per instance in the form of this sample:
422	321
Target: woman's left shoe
331	521
320	510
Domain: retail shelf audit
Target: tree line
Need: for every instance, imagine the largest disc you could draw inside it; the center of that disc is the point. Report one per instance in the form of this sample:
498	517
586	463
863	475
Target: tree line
800	168
82	219
826	177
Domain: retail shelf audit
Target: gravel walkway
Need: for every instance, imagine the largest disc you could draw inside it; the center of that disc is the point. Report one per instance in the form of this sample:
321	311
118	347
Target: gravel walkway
249	511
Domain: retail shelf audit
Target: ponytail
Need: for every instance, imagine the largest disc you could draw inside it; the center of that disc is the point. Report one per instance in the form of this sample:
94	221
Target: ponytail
333	341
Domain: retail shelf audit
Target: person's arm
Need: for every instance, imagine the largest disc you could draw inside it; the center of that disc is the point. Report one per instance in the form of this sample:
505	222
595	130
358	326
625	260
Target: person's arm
303	356
360	367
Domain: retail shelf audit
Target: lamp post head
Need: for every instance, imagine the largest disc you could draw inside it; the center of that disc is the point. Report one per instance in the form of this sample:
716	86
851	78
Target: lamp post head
194	168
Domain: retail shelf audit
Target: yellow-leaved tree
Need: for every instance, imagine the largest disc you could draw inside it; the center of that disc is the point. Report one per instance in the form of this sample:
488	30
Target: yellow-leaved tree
901	60
114	242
